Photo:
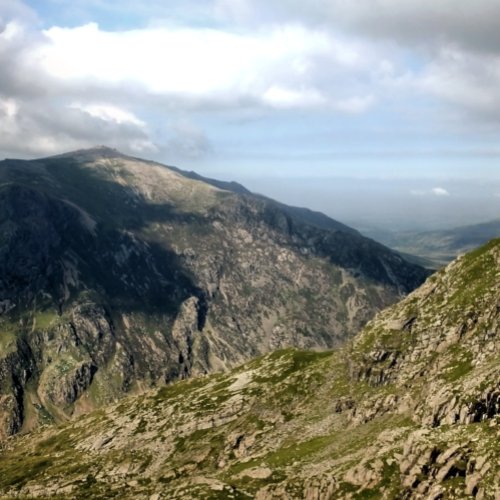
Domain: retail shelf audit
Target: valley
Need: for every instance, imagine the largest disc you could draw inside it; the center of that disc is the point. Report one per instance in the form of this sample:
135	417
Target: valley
249	250
434	249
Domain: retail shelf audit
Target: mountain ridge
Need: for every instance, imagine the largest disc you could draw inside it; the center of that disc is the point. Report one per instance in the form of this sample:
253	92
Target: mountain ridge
118	274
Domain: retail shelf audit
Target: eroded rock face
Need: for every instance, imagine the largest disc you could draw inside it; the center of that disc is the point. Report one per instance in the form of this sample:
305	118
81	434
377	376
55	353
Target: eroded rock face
16	368
11	414
67	385
118	274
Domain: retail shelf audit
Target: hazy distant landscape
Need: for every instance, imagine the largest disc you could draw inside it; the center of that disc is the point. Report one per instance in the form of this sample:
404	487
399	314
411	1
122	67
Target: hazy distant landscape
440	246
433	228
388	204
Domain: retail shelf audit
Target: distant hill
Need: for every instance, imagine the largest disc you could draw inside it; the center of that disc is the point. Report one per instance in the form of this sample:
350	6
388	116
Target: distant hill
437	248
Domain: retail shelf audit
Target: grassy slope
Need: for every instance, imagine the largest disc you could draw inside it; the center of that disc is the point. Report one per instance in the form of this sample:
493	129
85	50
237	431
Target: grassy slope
279	421
355	423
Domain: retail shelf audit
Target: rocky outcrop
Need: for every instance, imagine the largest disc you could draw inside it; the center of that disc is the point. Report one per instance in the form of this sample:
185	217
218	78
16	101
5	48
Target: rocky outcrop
425	468
17	366
269	429
67	384
11	414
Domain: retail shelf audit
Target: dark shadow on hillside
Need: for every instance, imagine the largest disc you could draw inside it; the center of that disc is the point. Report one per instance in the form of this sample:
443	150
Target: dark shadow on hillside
135	274
113	204
43	239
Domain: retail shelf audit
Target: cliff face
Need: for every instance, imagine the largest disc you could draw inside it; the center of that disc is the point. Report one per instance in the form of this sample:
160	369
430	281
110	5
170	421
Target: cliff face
117	274
410	408
443	338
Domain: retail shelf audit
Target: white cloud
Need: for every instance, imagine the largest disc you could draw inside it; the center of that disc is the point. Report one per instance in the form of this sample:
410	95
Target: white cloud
170	70
8	108
256	59
11	31
282	67
415	22
439	191
109	113
469	81
186	141
281	97
454	51
356	104
40	128
233	10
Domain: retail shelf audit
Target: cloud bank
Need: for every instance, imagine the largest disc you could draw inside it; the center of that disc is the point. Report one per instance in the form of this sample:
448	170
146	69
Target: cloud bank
162	87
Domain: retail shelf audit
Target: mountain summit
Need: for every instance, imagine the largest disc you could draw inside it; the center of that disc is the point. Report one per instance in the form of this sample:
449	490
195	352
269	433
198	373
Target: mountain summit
119	273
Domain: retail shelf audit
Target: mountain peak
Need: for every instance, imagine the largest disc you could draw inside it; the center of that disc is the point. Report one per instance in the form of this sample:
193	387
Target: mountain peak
100	151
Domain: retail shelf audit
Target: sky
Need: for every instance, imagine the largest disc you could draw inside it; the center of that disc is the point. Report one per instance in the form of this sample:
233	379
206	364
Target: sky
377	112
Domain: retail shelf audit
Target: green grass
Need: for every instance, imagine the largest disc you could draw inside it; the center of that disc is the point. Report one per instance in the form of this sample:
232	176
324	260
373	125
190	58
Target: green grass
300	452
18	471
45	319
459	366
293	361
7	339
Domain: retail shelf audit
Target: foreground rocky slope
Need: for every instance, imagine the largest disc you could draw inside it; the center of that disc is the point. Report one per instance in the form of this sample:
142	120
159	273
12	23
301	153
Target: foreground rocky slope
117	274
410	409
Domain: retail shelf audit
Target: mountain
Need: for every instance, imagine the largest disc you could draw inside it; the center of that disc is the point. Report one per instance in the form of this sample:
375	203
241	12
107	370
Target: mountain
409	409
439	247
118	274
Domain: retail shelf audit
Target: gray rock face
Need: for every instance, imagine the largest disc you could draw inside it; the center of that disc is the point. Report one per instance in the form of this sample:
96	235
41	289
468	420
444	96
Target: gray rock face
71	384
117	274
17	366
